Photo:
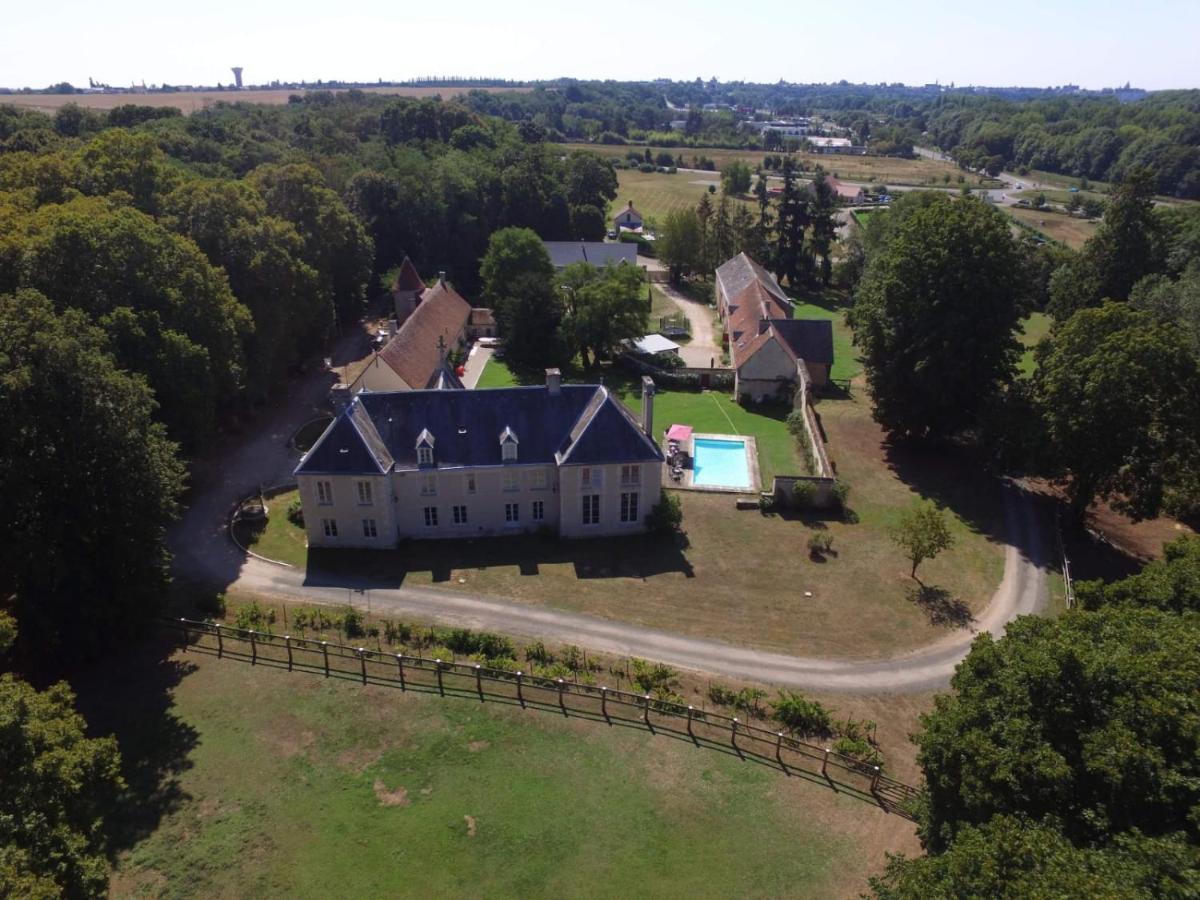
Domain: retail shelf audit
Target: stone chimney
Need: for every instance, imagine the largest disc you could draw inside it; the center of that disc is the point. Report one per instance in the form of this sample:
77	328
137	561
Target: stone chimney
553	382
648	406
442	277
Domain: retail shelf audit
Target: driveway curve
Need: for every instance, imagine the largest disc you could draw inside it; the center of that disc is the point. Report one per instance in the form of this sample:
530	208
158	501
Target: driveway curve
203	553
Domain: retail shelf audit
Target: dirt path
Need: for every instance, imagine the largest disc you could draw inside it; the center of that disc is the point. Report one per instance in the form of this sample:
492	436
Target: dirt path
704	349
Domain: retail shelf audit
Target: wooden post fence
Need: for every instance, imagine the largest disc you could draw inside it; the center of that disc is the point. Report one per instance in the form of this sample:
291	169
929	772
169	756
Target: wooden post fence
790	754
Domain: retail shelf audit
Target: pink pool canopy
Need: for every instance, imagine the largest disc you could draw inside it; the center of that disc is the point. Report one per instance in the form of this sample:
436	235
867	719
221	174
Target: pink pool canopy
679	432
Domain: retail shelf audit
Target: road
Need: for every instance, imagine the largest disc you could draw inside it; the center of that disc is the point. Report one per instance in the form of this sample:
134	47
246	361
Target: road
1022	591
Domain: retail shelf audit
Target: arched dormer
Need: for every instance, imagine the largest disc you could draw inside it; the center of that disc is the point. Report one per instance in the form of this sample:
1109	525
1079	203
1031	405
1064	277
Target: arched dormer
425	444
508	445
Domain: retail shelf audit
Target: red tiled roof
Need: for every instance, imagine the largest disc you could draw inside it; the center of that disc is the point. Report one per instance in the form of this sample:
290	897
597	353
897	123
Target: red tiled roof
413	353
408	279
481	316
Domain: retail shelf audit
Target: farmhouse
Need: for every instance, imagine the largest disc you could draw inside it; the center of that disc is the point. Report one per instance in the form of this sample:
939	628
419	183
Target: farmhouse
415	358
771	353
846	194
628	219
595	253
457	463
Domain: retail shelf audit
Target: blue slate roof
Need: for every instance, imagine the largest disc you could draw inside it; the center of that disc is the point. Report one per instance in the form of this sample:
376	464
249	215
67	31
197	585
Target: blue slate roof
580	425
810	339
598	253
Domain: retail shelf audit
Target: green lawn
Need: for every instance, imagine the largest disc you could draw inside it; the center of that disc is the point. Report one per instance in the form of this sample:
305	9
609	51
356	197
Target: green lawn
654	194
279	539
709	411
845	355
1037	326
293	786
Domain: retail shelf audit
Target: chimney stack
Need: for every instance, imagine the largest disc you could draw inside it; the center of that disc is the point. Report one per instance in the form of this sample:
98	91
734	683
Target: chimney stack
648	406
553	382
442	277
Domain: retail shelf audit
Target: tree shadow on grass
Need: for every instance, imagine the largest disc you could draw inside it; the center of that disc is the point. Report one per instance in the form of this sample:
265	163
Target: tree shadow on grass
130	695
940	607
640	556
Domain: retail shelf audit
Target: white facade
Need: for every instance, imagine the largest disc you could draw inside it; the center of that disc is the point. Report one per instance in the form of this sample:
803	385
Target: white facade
416	504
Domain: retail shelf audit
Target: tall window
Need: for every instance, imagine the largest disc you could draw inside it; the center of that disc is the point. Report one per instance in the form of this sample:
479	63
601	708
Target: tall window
590	478
539	479
539	511
470	482
329	527
364	493
591	509
629	507
325	493
512	512
631	475
424	456
512	480
428	485
431	517
460	515
369	530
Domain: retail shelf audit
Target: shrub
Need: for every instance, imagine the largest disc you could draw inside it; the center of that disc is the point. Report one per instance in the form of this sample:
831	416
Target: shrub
295	513
803	494
650	677
646	167
799	714
352	623
537	653
437	651
255	617
721	696
841	492
483	643
666	517
820	543
859	749
795	423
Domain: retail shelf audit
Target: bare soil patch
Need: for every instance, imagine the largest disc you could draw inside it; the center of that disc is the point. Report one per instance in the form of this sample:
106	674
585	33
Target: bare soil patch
398	797
470	820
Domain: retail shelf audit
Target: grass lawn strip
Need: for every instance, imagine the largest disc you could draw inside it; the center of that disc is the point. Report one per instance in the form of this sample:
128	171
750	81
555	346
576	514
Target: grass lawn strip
301	787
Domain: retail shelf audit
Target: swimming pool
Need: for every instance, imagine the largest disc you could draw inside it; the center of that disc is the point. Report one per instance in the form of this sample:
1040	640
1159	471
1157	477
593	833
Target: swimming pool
720	463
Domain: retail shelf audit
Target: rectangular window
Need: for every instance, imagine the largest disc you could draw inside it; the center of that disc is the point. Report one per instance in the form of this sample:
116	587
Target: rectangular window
629	507
460	515
369	530
364	493
470	482
508	451
431	517
424	456
591	509
428	485
590	478
539	511
512	512
539	479
325	493
512	481
329	526
631	475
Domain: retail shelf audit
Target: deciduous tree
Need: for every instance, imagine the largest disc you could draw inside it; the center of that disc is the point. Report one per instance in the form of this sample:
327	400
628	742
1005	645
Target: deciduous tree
922	533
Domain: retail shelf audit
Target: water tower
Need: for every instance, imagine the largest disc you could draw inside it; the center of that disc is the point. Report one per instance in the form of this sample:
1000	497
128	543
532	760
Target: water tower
237	76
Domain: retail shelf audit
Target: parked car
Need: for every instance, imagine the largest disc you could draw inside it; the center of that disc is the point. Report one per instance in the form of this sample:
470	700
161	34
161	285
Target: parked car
612	234
488	342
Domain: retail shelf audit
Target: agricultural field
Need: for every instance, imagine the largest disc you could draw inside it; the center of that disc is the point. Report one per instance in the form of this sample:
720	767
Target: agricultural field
190	101
654	194
249	781
1057	226
876	169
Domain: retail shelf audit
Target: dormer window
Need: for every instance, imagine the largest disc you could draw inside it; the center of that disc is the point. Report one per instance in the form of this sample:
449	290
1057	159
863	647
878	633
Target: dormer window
425	448
508	445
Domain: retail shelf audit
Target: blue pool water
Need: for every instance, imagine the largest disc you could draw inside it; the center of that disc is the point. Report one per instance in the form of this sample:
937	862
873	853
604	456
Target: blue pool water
720	463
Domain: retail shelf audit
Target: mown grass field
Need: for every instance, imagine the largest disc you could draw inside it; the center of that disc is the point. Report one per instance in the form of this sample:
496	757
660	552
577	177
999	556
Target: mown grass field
294	786
877	169
1058	226
654	194
1036	326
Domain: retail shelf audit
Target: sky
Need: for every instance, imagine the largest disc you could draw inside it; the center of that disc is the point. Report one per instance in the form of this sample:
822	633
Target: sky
1153	44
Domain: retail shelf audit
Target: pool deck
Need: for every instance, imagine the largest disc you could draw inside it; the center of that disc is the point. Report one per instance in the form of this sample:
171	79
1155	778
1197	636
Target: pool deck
686	483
